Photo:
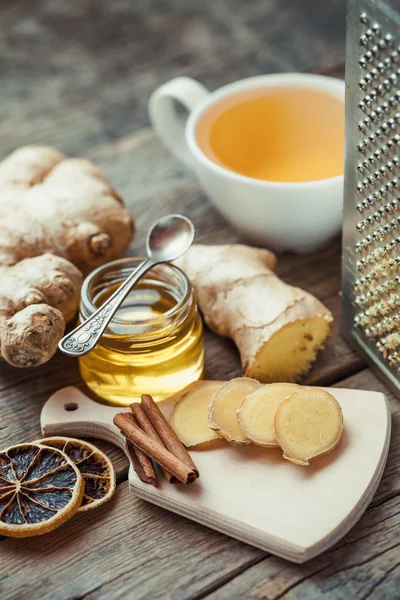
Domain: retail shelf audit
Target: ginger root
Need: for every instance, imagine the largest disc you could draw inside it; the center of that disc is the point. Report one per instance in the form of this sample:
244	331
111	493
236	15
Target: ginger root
60	218
257	412
226	402
189	417
277	328
309	423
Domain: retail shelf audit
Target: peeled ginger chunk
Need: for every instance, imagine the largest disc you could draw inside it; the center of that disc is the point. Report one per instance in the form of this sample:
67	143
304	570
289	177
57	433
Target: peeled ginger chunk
277	328
309	423
290	351
225	404
189	418
257	412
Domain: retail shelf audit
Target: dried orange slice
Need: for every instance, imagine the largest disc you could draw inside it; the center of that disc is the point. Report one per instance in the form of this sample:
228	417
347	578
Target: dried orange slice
40	488
94	466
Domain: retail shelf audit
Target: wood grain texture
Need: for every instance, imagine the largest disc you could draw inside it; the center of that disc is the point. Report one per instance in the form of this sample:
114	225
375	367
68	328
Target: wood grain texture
126	549
76	74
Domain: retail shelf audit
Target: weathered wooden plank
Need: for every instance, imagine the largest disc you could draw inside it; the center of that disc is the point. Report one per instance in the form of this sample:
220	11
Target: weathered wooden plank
127	549
365	563
75	74
356	570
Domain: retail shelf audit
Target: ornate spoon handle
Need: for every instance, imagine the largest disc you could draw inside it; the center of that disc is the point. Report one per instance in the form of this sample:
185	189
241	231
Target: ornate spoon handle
84	338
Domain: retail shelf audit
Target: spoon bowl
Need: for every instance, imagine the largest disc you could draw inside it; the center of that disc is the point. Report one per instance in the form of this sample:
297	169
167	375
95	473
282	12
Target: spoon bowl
169	238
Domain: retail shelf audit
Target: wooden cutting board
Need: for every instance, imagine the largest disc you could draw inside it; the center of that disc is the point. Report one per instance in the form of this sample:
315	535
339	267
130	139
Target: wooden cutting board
251	493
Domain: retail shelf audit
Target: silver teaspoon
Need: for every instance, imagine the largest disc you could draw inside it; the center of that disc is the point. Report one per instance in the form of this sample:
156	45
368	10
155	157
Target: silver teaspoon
167	239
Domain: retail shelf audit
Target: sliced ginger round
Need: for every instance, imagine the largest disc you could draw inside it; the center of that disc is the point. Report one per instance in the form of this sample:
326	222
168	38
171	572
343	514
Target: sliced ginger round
189	418
257	412
40	488
309	423
225	404
94	466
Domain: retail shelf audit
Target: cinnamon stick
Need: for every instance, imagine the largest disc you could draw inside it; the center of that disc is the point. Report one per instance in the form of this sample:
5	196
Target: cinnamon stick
148	428
165	431
142	464
126	424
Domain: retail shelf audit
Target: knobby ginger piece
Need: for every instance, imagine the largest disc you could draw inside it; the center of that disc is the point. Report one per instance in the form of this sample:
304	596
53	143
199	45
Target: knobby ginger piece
277	328
257	412
226	402
189	418
309	423
60	218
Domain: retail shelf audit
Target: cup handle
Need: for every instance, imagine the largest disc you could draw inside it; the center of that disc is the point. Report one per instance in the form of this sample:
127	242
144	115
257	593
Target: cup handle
169	127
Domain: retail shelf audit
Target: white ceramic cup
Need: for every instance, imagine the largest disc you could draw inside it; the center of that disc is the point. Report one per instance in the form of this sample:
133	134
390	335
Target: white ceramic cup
298	217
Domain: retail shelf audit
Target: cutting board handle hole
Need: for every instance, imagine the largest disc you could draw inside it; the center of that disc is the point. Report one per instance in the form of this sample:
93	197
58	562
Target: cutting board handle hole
70	406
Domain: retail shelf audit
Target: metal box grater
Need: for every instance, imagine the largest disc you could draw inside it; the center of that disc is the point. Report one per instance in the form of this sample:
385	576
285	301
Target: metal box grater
371	227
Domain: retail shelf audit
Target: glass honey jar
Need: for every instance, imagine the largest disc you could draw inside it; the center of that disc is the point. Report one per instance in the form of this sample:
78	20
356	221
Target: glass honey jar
153	345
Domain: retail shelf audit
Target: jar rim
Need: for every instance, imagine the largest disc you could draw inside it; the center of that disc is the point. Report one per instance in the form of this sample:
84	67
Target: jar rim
123	262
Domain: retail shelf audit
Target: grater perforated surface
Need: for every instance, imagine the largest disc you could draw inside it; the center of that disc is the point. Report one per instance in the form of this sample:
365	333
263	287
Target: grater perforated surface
371	227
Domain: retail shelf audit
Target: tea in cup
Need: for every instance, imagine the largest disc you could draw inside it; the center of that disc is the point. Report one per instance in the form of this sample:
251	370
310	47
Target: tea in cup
268	151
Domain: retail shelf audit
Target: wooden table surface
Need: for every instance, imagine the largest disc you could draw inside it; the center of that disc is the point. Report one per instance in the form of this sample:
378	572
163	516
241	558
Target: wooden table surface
77	75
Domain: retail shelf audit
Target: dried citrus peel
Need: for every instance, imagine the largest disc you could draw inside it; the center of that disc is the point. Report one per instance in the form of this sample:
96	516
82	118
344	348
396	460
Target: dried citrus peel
40	488
95	467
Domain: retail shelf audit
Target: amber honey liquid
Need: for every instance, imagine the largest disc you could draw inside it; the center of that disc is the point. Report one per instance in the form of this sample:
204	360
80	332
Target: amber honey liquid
141	351
284	134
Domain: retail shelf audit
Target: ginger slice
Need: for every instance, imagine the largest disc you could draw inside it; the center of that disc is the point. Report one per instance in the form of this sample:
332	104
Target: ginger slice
257	412
226	402
309	423
189	418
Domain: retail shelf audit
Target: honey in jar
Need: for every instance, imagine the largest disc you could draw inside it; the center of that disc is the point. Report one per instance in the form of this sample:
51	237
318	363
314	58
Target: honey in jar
154	342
